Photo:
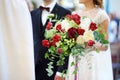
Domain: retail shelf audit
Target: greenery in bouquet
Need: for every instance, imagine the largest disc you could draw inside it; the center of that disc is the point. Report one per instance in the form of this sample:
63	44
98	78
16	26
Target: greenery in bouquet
70	36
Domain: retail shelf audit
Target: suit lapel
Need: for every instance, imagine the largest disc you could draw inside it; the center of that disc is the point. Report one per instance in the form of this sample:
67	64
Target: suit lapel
55	9
38	19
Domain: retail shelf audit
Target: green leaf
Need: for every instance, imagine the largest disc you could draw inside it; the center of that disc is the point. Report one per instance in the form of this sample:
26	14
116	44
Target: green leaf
72	63
104	41
65	48
97	50
49	33
106	46
99	28
74	72
84	17
101	36
51	16
64	72
96	35
60	62
52	49
49	69
46	55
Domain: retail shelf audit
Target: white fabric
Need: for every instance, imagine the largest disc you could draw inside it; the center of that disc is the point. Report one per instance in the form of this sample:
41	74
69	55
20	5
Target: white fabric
45	13
16	41
58	73
93	66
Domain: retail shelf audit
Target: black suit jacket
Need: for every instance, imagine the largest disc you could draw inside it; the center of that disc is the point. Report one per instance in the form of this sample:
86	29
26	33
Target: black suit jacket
39	50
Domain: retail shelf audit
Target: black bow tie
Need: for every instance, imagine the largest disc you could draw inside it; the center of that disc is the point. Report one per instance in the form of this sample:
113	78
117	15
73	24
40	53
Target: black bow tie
44	8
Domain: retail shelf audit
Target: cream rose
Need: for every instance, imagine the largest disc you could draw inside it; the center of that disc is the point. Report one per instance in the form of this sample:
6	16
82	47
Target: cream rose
65	25
85	23
88	35
80	40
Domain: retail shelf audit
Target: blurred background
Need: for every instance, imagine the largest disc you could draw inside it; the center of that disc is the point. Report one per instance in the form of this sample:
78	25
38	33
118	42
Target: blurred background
112	8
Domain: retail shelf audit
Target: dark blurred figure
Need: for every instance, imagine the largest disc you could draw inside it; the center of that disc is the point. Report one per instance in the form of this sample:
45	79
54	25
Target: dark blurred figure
114	44
112	29
116	19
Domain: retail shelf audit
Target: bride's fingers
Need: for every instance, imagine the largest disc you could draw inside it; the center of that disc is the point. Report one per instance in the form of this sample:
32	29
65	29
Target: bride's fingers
101	47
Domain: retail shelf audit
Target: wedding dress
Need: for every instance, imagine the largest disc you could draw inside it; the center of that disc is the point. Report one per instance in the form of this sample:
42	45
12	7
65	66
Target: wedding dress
92	66
16	41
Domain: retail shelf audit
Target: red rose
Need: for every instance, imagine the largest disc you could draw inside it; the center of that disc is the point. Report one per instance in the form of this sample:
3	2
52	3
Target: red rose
49	26
52	43
56	38
93	26
59	50
72	33
76	18
90	43
58	27
68	16
46	43
80	31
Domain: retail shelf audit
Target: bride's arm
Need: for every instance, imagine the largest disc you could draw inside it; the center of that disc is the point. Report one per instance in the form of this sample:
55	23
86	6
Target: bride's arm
104	26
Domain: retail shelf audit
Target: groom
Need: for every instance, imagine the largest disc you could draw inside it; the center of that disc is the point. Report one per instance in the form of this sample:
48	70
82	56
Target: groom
39	20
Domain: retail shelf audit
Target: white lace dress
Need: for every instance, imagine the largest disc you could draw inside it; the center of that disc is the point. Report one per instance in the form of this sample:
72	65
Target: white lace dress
93	66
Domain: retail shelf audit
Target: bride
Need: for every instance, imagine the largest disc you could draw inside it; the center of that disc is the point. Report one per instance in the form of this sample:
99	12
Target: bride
93	66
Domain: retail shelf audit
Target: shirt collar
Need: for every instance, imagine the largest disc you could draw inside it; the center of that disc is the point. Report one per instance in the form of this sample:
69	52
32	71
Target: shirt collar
51	6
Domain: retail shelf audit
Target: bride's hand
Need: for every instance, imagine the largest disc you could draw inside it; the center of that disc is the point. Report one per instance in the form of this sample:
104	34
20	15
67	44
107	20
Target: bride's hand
100	47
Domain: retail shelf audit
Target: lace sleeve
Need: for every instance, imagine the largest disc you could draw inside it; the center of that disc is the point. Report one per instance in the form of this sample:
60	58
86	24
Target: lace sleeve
103	16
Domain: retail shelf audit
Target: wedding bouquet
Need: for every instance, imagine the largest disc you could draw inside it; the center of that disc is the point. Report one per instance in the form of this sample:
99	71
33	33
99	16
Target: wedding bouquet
70	36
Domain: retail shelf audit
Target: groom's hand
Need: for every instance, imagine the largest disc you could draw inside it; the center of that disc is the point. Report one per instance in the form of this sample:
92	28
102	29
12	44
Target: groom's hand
59	78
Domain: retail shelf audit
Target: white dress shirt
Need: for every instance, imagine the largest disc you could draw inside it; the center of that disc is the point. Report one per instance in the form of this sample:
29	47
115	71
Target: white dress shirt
45	13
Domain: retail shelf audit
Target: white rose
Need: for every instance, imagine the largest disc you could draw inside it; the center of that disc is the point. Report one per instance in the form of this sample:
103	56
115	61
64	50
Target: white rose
80	40
85	23
65	25
88	35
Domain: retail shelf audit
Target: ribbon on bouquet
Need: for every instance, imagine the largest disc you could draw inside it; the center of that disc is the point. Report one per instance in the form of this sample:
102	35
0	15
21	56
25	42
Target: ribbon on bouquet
76	67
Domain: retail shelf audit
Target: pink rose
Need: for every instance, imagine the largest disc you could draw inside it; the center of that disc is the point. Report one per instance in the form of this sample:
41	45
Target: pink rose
59	50
49	26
